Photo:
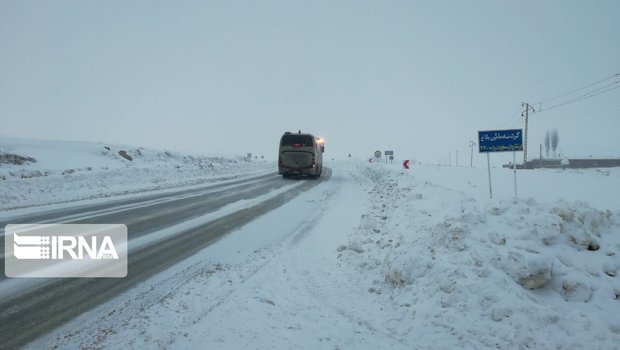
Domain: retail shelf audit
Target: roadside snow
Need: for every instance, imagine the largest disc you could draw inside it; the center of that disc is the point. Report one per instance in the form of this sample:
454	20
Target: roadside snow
377	257
467	273
69	171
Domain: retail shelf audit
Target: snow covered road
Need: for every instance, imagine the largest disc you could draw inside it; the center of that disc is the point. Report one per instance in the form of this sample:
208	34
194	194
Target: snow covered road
164	228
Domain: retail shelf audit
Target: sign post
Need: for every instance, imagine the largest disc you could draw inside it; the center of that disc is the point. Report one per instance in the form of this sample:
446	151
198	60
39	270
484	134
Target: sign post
388	153
489	167
501	141
514	169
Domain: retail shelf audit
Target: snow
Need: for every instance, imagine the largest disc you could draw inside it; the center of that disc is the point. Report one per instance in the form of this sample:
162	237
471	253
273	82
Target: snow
153	237
67	171
380	257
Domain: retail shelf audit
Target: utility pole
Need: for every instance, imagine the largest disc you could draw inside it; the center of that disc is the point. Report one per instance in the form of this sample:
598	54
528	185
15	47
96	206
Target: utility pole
471	147
540	151
527	110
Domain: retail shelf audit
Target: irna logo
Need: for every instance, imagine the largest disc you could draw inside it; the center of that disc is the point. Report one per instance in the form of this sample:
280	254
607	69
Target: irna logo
71	250
59	247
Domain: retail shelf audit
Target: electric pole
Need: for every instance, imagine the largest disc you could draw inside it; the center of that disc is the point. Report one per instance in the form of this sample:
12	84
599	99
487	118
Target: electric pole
471	147
541	151
526	114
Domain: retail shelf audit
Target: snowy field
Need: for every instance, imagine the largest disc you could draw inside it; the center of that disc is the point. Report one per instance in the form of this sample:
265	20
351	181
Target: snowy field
53	172
382	258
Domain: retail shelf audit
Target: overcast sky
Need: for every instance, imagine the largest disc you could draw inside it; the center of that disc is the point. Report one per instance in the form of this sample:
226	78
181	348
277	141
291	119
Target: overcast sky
419	78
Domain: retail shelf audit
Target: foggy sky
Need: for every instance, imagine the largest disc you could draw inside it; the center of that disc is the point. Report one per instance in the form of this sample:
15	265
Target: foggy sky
419	78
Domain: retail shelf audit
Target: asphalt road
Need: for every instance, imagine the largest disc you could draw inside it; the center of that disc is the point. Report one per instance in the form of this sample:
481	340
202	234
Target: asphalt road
48	303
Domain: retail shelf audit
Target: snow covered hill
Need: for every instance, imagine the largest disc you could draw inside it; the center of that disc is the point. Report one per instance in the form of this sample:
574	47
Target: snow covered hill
379	257
34	173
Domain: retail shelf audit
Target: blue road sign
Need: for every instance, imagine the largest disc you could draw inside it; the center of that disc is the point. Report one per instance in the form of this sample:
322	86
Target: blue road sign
500	140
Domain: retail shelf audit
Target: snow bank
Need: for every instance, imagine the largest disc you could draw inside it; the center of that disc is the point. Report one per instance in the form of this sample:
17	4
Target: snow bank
461	272
61	171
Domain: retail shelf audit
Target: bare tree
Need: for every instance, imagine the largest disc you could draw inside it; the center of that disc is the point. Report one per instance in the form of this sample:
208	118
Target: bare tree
555	139
547	143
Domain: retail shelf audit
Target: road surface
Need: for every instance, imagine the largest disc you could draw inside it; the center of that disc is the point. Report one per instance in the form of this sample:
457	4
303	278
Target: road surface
32	307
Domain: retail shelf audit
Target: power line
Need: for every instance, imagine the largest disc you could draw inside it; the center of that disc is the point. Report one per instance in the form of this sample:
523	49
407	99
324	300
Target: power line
592	93
576	90
589	94
511	122
516	116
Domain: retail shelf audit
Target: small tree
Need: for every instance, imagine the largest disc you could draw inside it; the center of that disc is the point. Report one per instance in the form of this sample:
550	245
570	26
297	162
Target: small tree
555	139
547	143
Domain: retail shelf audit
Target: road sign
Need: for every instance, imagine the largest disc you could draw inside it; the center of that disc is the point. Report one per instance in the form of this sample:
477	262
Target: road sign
389	153
391	157
377	154
406	164
500	140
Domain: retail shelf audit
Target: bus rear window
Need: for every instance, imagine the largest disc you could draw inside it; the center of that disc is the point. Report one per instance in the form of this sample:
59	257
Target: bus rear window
300	140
